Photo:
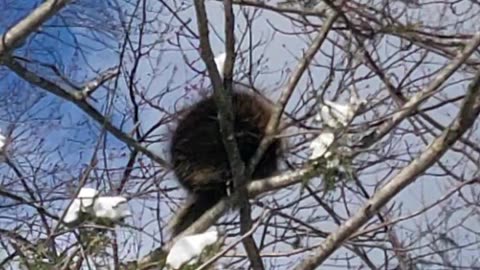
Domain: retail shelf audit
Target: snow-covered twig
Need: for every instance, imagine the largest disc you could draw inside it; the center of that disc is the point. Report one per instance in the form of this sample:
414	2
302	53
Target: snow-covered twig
187	250
335	117
89	202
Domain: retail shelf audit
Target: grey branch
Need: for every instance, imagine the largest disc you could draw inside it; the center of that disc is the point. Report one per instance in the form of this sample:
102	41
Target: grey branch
90	87
18	33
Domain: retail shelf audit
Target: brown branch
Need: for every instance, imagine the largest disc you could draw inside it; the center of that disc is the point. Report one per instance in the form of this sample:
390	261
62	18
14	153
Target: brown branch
223	100
230	246
229	44
246	223
446	196
21	200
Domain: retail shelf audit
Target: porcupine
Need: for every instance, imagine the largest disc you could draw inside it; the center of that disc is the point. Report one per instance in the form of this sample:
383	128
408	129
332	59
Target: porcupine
199	158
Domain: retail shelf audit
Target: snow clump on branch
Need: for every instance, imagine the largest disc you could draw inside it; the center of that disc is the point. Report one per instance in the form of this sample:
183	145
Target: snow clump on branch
88	201
187	249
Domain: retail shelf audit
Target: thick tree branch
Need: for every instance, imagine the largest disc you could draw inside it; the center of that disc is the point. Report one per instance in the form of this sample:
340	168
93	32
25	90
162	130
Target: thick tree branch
18	33
223	99
91	86
246	223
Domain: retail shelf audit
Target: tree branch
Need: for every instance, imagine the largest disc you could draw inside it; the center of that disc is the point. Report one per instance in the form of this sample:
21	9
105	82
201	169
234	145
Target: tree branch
18	33
223	99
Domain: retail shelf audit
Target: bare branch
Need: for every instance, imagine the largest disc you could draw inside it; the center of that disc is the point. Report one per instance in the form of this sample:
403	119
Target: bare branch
89	88
17	34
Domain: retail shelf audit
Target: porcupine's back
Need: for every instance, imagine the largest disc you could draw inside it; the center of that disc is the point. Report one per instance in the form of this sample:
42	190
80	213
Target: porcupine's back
199	158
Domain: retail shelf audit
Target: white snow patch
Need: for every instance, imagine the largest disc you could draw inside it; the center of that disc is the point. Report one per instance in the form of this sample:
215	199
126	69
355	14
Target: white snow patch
88	201
72	212
2	141
334	117
87	196
187	249
111	207
220	62
321	144
337	115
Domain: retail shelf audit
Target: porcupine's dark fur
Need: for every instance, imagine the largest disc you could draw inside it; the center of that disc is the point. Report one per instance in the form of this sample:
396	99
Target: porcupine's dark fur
199	158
